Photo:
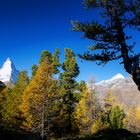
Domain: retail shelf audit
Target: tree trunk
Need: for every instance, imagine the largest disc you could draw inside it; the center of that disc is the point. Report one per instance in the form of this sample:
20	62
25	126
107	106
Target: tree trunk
129	63
42	129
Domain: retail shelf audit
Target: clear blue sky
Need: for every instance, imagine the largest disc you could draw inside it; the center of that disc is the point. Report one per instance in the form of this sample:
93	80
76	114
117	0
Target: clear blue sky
29	26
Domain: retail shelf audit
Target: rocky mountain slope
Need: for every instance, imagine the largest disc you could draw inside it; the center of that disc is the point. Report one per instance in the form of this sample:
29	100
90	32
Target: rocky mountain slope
123	88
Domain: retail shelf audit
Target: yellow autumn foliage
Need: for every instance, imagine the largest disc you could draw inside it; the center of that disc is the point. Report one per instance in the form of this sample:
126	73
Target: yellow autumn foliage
39	93
85	111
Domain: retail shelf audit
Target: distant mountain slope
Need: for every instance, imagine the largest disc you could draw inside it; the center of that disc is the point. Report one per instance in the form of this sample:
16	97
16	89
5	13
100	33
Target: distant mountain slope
8	72
123	88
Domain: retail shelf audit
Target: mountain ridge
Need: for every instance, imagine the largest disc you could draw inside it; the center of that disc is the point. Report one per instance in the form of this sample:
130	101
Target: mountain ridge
123	88
117	76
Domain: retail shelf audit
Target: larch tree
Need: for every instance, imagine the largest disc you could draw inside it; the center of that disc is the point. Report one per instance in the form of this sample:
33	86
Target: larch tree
111	37
68	87
40	96
3	95
132	120
87	110
11	114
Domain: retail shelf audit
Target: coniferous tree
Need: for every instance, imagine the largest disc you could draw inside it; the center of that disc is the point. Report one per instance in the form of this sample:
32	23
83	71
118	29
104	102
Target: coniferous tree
41	95
132	119
11	114
68	87
87	111
109	102
81	86
34	69
113	115
110	36
116	118
3	96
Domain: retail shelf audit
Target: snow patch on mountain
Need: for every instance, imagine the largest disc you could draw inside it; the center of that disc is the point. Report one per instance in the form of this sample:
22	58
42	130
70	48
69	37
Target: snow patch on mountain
8	72
114	78
123	88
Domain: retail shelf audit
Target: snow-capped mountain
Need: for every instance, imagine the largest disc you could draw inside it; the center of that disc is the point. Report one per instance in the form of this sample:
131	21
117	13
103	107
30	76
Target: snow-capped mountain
8	72
122	87
114	78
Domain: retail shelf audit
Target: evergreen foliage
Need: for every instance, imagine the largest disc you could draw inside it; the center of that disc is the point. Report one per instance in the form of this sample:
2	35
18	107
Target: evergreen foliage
110	36
34	69
113	115
68	87
81	86
116	118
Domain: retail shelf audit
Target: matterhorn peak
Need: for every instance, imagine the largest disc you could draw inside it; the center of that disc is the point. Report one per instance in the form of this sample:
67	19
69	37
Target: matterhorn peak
7	63
8	72
8	59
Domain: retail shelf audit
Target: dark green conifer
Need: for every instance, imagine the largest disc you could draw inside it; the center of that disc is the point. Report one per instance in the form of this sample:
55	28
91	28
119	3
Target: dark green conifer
111	41
68	86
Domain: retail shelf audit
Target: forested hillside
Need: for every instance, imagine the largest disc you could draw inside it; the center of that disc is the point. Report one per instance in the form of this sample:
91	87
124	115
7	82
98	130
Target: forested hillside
52	107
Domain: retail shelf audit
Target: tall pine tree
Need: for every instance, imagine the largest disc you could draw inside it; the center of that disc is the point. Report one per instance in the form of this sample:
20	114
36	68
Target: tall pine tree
111	41
68	86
